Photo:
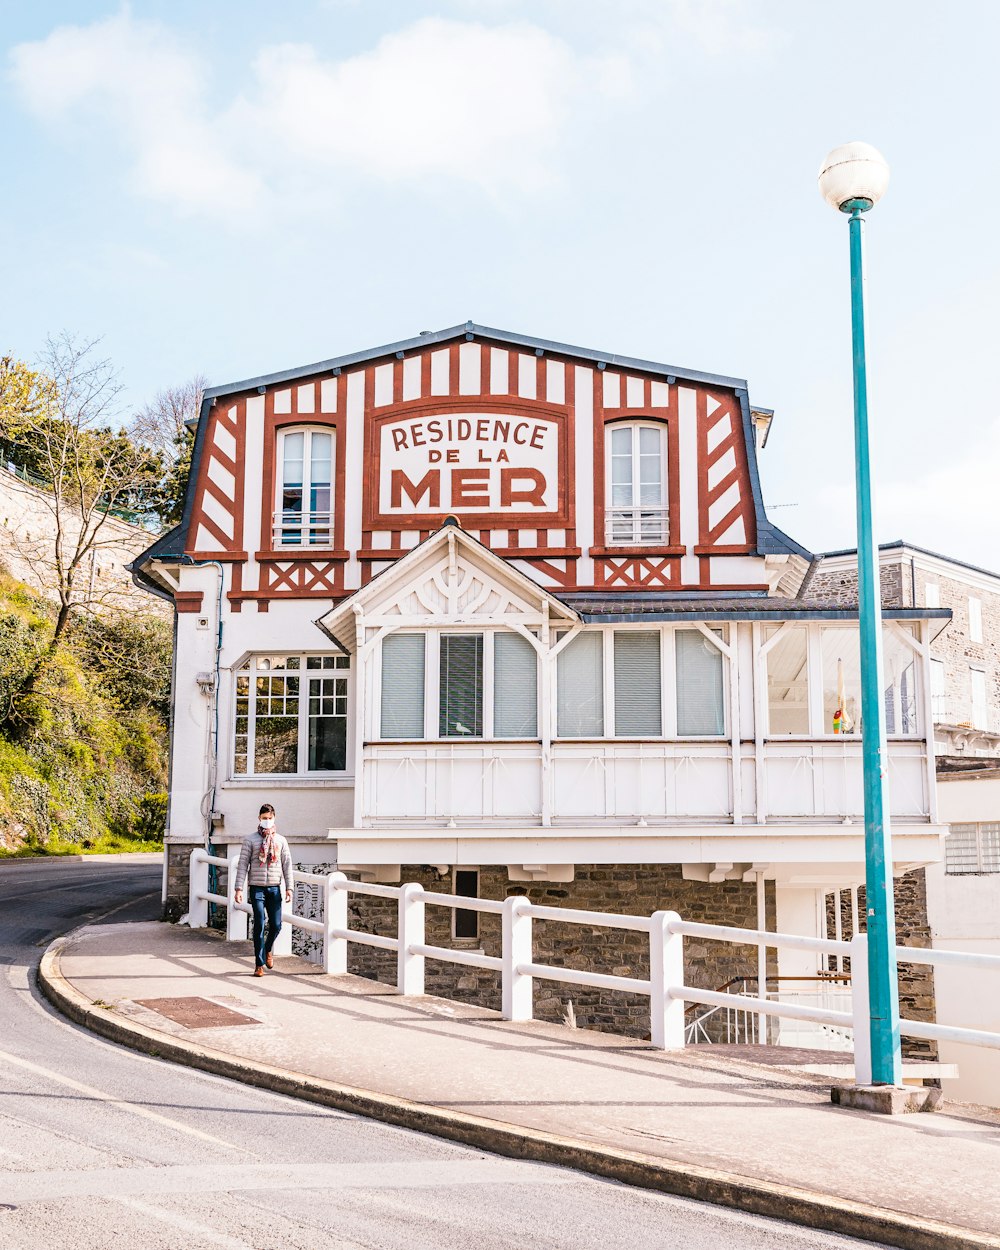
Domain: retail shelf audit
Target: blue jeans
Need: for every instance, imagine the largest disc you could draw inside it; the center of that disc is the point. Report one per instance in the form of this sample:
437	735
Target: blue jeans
265	899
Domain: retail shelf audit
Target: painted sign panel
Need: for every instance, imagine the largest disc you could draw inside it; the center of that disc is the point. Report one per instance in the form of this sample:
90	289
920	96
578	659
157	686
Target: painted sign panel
469	462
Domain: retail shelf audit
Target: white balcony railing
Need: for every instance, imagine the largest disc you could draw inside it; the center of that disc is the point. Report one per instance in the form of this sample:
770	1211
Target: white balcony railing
303	529
636	526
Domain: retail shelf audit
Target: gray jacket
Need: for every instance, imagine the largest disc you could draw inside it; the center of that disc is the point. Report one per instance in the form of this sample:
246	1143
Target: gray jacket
263	874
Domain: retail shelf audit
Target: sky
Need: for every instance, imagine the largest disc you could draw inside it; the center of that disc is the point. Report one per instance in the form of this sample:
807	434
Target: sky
239	187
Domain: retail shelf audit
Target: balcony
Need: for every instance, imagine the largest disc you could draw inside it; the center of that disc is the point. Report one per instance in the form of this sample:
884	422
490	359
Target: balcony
302	529
629	527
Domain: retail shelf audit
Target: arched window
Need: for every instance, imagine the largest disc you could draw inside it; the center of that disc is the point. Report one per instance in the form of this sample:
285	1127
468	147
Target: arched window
303	515
636	485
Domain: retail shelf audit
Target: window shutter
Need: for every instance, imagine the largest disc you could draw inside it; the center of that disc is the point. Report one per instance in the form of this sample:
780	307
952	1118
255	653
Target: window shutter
403	686
461	707
580	702
637	684
700	707
515	687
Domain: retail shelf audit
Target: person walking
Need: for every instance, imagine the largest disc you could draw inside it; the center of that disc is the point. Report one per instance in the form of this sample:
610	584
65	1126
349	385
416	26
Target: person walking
266	857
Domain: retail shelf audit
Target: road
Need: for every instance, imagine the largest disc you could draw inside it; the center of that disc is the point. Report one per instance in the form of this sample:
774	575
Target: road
100	1147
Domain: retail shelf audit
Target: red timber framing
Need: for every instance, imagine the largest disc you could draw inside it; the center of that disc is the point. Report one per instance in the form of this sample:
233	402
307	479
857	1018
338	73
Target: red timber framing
487	399
484	381
643	567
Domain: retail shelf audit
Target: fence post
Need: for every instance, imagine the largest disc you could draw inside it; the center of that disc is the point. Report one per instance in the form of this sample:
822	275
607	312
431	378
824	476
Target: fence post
283	942
335	917
197	884
861	1010
666	976
517	988
236	921
410	930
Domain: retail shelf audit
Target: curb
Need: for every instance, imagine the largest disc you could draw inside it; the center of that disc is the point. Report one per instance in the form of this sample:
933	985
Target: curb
725	1189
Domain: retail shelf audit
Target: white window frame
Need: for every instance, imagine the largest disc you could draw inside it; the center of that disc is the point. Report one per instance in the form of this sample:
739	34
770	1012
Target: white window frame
977	828
668	685
814	692
939	698
662	537
432	693
979	709
345	671
321	522
975	619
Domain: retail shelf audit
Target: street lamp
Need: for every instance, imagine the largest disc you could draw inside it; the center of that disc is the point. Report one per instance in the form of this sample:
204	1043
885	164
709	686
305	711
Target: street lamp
853	179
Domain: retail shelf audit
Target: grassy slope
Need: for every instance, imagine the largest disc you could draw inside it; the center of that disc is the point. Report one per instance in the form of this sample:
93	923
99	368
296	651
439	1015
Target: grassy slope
83	757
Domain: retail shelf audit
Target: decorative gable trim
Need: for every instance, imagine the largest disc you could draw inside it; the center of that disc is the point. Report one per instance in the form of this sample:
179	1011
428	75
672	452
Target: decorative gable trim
450	579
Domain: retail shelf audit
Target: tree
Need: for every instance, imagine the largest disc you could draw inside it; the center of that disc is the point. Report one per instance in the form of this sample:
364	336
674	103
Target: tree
162	425
26	398
90	466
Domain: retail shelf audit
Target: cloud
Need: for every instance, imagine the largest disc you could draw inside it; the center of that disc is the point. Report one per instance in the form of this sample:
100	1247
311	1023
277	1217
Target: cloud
480	104
438	99
138	83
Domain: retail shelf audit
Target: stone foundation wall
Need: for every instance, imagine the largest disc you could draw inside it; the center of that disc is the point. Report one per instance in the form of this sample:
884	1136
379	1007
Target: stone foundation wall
916	981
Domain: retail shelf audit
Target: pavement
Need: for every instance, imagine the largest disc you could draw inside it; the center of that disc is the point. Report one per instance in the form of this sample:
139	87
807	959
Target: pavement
751	1128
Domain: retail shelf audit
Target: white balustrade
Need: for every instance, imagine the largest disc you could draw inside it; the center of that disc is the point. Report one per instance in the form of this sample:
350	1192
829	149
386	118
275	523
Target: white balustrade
666	930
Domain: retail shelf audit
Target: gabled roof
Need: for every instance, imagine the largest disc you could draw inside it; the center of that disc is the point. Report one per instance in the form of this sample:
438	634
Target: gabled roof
338	622
471	330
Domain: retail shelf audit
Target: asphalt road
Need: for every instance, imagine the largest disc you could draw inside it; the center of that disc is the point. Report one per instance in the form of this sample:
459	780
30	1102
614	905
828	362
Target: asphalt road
101	1148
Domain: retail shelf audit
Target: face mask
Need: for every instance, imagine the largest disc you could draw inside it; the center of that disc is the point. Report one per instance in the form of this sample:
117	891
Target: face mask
267	822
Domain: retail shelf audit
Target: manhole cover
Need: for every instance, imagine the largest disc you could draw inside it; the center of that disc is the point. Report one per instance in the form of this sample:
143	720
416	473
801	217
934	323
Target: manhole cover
196	1013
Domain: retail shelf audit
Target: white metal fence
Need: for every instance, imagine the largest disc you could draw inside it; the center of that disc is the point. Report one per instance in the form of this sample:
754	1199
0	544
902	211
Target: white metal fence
666	930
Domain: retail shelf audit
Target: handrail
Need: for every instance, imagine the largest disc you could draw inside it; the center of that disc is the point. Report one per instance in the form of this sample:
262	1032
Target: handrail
669	996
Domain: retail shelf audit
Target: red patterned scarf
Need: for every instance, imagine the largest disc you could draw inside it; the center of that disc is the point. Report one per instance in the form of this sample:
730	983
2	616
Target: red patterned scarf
268	853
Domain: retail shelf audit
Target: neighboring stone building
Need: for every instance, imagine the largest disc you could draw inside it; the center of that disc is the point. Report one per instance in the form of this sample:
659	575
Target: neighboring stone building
963	892
498	613
27	547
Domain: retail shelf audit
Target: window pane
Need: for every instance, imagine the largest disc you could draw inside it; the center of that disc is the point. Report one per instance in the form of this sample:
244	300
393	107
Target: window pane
637	684
276	725
515	687
788	683
960	853
466	886
841	662
900	684
700	706
292	447
939	708
580	680
328	724
461	686
989	846
403	686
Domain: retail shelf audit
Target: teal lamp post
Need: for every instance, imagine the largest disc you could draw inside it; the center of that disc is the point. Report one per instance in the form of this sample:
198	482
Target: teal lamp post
853	179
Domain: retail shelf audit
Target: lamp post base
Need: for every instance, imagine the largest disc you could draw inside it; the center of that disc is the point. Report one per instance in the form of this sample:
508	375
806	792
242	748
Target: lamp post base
886	1099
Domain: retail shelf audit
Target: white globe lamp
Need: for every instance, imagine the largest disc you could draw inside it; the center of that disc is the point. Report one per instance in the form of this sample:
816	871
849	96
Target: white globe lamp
853	177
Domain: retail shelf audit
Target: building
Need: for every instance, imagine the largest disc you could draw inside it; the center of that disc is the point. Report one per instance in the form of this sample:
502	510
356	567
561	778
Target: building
962	890
500	614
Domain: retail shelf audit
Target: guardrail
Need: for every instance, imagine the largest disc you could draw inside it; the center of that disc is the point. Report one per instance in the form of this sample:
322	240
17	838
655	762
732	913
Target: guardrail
666	930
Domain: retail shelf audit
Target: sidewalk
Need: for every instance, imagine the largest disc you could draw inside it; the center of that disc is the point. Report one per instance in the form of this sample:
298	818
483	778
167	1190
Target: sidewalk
760	1135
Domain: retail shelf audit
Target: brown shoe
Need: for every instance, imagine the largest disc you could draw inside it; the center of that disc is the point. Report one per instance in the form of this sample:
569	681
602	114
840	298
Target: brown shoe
269	959
259	970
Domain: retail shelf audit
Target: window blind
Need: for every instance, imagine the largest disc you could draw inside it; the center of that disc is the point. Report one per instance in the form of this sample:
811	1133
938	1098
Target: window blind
461	684
515	687
580	679
403	686
700	706
637	684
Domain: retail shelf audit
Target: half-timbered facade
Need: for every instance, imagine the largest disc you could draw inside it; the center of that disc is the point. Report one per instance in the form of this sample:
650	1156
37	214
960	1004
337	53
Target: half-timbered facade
477	603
